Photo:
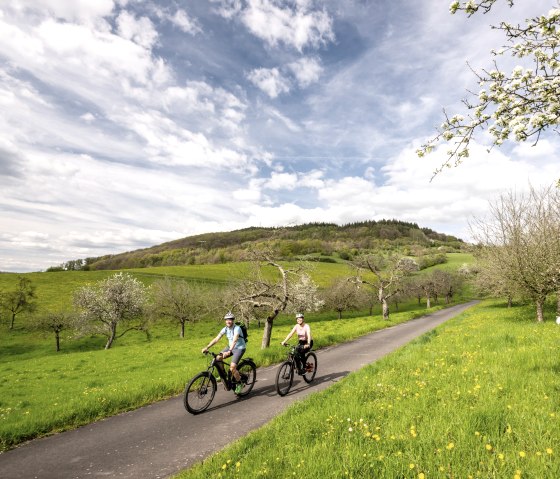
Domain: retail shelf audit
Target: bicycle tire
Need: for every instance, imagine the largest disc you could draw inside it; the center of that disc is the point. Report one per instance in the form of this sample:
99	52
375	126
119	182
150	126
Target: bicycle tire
199	392
310	362
247	368
284	378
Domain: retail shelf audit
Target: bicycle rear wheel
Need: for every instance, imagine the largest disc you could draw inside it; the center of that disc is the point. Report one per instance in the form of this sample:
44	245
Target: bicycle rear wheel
200	392
284	378
248	371
310	367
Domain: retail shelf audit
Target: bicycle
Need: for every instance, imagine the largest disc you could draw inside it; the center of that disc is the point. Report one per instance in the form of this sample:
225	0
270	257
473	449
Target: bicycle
201	389
285	375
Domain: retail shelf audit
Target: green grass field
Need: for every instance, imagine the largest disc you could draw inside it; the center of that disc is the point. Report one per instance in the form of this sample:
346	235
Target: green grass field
42	391
476	398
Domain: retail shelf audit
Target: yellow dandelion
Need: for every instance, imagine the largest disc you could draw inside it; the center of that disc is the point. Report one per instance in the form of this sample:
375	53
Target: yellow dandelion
548	450
501	457
450	446
224	466
421	476
237	464
522	454
488	447
411	466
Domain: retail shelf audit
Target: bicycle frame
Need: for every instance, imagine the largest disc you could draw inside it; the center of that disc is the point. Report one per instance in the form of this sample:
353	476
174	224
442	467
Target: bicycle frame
223	368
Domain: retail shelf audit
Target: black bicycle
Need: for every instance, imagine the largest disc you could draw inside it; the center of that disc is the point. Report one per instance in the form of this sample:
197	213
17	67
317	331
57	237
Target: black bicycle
285	375
201	389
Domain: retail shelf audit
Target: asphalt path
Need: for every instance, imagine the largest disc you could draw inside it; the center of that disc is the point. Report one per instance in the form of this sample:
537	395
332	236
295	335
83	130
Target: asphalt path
159	440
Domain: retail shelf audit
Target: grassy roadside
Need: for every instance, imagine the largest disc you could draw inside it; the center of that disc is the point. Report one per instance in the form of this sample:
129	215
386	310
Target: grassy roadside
475	398
42	392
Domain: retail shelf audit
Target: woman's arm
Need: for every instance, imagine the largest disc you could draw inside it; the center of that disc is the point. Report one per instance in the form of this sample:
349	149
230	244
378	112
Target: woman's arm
291	333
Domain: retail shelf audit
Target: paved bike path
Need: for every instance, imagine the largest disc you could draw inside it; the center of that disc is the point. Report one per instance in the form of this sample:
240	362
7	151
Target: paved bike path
157	441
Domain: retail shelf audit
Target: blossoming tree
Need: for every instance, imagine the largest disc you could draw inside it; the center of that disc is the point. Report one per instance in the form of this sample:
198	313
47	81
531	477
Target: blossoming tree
518	105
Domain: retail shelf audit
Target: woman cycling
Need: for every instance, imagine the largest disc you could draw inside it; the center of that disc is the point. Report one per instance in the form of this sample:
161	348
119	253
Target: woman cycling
305	341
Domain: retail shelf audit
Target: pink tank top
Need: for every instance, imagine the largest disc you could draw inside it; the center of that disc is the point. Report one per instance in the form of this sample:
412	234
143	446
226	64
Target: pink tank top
303	332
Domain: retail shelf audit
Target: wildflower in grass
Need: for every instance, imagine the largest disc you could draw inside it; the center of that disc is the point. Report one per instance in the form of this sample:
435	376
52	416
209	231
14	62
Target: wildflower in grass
549	451
522	454
238	464
488	447
450	446
411	466
421	476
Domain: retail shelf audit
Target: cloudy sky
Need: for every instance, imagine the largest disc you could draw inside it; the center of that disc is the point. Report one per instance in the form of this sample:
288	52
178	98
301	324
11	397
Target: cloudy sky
127	123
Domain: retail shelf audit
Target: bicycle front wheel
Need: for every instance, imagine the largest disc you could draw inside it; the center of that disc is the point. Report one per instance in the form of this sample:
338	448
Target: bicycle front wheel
248	371
200	392
284	378
310	367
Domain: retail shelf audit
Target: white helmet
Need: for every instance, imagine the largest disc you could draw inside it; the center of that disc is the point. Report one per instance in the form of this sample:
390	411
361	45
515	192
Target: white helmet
229	315
299	315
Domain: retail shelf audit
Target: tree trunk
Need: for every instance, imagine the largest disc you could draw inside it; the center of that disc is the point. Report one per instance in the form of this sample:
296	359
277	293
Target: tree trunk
57	335
339	314
13	321
385	305
267	332
182	334
510	302
540	318
428	304
558	304
111	336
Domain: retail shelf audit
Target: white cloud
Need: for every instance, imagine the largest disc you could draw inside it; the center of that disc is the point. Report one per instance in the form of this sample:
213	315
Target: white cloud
185	23
281	181
71	10
297	26
306	70
139	30
269	80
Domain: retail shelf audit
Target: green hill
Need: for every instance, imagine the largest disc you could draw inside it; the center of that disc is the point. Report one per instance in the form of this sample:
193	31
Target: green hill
320	241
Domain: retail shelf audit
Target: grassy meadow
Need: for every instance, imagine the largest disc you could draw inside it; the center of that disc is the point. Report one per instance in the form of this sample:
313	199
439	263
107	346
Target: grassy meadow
42	391
476	398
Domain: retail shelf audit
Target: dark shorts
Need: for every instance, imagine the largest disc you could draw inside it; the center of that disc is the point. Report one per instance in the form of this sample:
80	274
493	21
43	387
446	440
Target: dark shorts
236	355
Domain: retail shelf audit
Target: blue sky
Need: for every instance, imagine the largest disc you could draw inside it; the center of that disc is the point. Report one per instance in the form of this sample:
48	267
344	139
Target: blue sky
127	123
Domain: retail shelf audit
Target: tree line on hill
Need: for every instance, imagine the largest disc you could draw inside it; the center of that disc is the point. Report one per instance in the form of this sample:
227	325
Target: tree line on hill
327	241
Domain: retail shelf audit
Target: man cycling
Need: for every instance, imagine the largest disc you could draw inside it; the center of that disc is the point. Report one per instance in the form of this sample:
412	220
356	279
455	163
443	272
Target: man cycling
236	347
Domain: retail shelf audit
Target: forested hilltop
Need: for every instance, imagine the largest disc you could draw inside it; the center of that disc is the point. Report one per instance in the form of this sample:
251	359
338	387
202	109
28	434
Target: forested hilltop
321	241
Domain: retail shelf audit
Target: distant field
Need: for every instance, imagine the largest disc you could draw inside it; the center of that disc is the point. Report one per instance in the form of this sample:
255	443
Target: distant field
55	289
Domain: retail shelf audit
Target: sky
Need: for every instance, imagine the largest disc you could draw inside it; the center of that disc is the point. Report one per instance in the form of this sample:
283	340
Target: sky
128	123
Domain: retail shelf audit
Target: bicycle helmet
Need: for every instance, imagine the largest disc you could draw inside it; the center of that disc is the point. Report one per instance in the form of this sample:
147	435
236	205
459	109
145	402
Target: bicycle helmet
299	315
229	315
